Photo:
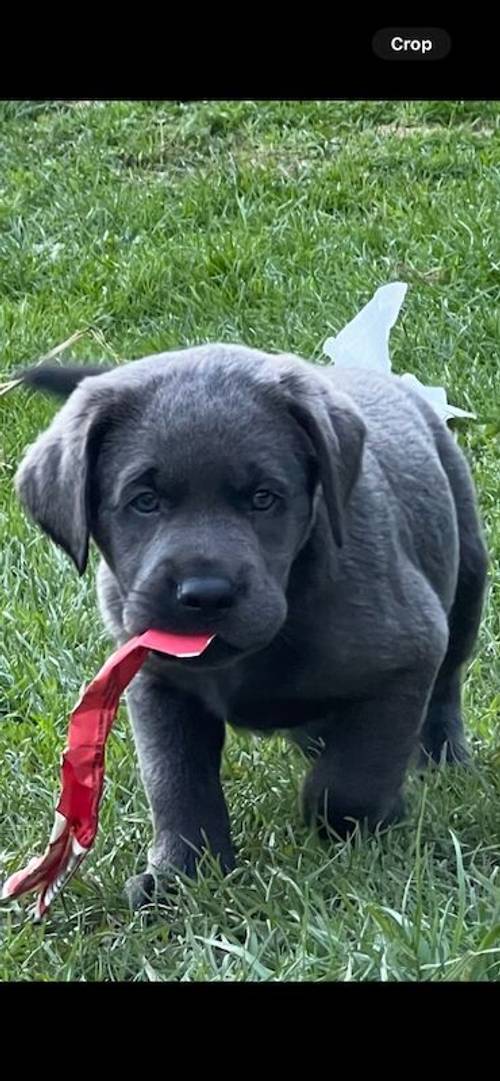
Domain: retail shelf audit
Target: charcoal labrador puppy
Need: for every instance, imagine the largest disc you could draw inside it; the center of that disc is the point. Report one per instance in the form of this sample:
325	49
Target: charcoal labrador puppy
321	523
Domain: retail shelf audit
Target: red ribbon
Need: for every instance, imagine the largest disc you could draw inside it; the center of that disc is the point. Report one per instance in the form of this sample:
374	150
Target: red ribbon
82	770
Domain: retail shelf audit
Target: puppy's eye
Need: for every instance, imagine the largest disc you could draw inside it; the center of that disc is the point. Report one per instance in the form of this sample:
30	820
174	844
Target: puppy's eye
263	499
145	503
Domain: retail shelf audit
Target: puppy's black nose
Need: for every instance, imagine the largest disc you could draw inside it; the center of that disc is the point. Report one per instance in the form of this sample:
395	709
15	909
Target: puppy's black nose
206	594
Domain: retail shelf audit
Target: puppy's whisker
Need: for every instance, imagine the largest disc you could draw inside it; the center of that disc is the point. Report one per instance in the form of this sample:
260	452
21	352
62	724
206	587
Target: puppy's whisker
139	592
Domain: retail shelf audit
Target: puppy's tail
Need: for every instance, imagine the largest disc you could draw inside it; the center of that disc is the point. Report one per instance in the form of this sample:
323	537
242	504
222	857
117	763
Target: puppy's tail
57	380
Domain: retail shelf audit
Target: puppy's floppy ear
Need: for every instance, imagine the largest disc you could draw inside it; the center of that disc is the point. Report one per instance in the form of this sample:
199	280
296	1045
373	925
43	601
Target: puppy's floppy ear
54	478
336	432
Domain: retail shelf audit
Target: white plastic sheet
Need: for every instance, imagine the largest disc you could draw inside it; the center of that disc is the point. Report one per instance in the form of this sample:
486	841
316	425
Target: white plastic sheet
364	343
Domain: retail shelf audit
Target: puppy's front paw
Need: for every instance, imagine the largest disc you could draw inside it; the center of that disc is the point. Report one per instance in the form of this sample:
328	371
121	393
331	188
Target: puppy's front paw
321	808
158	882
140	890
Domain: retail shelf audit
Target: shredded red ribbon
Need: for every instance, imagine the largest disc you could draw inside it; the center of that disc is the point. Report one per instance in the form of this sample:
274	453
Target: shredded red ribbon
82	770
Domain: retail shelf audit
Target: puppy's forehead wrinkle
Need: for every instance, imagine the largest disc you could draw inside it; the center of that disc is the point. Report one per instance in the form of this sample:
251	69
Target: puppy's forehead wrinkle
214	408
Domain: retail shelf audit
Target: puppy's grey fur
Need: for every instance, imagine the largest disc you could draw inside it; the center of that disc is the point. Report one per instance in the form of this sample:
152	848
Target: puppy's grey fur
355	597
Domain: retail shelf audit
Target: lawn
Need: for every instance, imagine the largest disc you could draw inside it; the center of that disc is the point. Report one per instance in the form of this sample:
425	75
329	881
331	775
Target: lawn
145	226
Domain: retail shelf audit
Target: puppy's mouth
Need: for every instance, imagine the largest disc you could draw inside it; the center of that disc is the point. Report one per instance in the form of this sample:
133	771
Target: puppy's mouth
217	654
202	650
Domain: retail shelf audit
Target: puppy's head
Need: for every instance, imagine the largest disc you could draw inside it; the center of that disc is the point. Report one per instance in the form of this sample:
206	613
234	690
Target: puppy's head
198	475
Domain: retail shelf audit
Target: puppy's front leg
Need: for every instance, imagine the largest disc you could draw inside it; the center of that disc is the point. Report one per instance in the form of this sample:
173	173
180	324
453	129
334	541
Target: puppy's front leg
179	744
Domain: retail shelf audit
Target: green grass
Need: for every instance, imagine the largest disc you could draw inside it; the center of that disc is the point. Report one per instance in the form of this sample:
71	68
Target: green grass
153	225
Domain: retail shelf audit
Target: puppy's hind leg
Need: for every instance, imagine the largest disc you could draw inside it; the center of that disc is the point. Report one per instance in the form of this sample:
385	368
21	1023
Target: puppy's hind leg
443	737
